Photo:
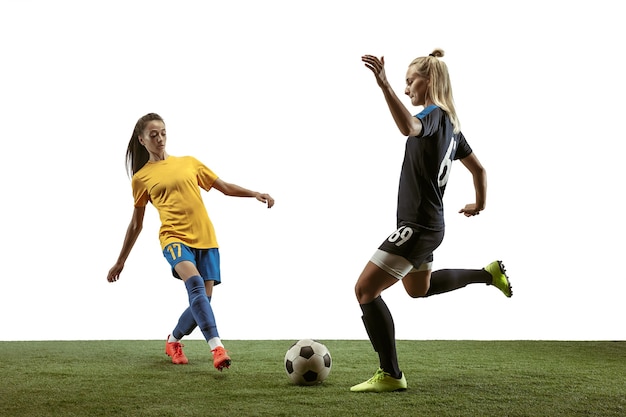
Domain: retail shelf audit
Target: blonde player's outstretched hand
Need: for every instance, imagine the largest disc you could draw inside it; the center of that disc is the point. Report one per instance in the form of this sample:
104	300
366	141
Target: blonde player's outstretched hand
377	66
470	210
265	198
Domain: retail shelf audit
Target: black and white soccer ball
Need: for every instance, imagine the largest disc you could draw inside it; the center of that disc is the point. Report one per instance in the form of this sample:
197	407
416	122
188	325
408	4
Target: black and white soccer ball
308	362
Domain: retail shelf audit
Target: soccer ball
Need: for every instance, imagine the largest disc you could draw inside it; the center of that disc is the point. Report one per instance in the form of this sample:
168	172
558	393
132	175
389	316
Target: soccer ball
307	362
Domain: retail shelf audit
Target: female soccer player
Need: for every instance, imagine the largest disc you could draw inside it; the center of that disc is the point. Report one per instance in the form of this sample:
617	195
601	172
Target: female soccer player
434	141
172	184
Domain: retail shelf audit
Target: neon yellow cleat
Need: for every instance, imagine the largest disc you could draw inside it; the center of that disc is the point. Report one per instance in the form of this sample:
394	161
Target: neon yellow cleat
381	382
500	279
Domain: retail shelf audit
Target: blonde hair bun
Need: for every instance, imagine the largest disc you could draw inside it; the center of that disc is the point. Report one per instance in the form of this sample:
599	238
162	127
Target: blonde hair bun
437	52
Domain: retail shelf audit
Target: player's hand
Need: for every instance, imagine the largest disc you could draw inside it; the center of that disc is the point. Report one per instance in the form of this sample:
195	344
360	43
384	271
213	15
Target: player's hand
377	66
114	273
470	210
265	198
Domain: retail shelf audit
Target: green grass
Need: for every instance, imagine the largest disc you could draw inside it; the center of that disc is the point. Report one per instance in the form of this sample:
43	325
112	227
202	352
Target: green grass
446	378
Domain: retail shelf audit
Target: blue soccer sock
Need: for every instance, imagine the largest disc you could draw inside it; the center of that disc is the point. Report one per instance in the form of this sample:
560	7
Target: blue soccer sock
186	324
200	308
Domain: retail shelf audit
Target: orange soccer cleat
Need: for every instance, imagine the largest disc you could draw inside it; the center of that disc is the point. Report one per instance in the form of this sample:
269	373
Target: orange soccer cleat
175	351
221	359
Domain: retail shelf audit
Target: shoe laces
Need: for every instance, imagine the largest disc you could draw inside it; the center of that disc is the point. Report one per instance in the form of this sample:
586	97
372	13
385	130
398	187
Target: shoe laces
378	376
178	348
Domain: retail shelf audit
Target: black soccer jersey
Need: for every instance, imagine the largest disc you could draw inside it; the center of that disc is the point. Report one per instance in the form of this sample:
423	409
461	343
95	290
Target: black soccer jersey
426	168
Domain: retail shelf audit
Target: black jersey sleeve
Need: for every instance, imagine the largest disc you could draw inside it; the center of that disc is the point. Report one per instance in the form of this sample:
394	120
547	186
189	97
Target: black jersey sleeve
431	120
463	148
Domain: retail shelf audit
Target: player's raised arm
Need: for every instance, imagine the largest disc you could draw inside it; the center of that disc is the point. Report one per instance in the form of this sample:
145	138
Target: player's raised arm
408	124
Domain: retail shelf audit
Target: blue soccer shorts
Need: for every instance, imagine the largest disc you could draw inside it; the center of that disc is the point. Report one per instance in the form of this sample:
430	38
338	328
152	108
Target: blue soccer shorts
207	261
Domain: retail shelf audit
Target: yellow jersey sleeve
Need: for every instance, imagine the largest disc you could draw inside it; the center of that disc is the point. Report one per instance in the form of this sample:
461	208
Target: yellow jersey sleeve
173	187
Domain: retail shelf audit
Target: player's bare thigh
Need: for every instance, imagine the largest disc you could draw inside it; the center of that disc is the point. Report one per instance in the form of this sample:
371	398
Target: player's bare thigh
187	269
417	283
372	281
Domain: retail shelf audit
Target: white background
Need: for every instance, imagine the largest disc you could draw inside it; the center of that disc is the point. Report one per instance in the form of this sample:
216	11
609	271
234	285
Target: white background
273	96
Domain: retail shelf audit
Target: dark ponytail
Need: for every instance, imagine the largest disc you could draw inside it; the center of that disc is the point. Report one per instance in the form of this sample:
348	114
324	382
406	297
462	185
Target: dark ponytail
136	154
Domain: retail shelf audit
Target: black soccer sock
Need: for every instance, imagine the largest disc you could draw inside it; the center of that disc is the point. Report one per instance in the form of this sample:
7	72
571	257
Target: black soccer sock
381	331
445	280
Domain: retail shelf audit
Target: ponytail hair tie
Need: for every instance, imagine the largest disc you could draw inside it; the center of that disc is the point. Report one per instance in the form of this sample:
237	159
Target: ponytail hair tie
431	55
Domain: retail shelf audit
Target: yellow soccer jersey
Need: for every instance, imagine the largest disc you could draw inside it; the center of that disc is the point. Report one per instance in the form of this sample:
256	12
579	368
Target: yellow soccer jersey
173	188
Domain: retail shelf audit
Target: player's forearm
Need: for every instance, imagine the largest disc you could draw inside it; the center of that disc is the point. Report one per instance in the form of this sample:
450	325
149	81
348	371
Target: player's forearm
235	190
405	121
132	233
480	186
